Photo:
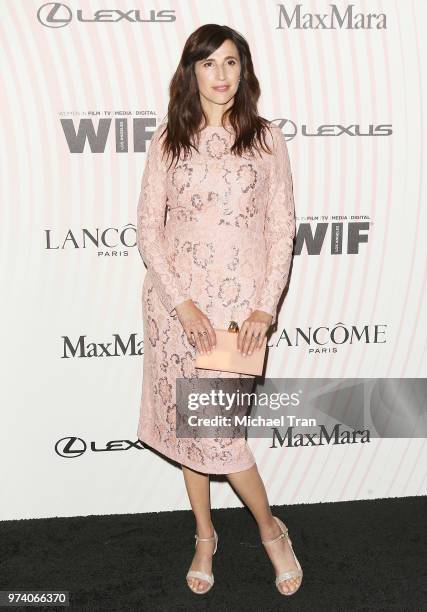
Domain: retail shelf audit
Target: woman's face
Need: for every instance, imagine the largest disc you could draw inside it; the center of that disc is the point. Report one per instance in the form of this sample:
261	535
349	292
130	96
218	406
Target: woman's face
220	70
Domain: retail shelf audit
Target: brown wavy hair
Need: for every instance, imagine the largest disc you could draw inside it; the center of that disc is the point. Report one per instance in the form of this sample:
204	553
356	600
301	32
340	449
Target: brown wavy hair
185	113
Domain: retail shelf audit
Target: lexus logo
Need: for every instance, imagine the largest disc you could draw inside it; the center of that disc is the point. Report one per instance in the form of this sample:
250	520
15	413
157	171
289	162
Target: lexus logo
54	15
58	15
71	446
288	127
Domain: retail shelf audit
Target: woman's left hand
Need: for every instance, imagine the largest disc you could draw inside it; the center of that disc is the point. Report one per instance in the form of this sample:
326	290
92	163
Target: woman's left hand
252	331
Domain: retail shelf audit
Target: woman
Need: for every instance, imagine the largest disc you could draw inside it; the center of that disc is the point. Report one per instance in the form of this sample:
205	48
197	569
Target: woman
224	254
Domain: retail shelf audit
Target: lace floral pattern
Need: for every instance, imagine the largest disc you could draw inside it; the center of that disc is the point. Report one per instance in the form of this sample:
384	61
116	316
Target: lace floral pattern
227	244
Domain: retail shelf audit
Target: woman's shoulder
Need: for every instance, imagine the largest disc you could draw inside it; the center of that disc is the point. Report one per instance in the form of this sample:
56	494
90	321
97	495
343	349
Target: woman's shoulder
159	130
276	140
275	131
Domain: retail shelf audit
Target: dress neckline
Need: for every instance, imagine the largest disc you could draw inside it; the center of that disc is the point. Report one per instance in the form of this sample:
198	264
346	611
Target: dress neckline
211	129
215	127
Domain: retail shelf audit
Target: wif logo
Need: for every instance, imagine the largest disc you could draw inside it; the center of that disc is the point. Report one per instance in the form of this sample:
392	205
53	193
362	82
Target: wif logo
97	137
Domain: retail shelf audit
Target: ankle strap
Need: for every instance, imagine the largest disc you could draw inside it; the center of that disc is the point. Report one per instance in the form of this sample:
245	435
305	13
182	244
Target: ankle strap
204	539
284	534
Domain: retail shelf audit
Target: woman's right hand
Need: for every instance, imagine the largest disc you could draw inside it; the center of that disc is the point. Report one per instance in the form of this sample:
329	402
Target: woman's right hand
197	326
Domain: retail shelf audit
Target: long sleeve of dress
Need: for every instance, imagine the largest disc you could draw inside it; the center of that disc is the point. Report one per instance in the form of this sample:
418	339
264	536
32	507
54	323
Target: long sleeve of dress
150	226
279	227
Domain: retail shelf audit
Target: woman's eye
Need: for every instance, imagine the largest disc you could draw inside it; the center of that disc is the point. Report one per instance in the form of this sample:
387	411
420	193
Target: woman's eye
233	62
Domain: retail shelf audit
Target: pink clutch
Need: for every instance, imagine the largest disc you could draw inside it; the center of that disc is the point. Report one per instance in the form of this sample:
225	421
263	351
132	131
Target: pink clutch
226	356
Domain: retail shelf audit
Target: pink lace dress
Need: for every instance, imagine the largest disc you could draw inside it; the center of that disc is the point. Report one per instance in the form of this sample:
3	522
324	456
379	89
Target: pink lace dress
227	244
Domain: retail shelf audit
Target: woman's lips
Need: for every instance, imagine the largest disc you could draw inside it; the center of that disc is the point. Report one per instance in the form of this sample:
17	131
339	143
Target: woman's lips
222	88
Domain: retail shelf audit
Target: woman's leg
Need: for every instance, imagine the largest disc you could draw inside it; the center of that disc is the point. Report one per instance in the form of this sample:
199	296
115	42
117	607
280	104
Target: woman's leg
197	485
251	490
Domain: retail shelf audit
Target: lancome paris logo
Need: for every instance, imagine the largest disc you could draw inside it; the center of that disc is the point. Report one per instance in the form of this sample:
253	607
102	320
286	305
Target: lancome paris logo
338	17
107	241
327	339
58	15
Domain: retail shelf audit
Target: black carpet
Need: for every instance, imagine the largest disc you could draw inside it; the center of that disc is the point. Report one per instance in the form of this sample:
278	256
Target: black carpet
358	555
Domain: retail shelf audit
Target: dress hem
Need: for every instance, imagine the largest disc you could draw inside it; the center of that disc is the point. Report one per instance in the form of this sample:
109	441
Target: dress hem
195	466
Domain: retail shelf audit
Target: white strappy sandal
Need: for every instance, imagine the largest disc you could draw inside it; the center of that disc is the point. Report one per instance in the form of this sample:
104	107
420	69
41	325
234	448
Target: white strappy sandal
291	573
202	575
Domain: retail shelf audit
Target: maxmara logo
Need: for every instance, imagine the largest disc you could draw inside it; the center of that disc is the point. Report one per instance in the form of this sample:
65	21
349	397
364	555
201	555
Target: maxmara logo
322	339
337	18
337	435
135	134
118	347
58	15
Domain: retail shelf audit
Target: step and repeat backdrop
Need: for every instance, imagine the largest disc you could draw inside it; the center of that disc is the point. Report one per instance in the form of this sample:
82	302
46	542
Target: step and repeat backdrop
85	84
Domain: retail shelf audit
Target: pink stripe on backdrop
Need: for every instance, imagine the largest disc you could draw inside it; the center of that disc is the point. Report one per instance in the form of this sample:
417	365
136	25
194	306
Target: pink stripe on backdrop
417	324
284	104
17	161
402	325
316	99
387	102
358	313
